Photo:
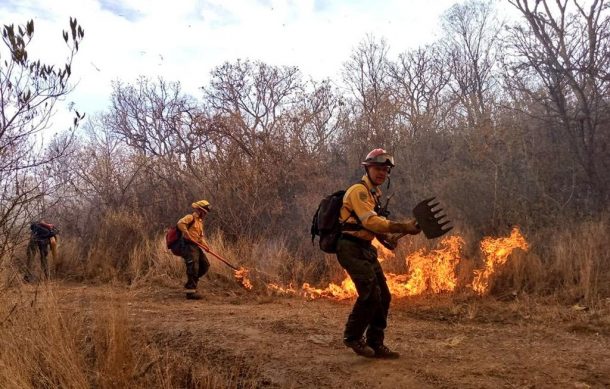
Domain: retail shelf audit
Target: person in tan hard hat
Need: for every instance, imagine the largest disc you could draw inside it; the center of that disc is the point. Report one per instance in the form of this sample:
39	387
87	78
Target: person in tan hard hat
360	224
191	227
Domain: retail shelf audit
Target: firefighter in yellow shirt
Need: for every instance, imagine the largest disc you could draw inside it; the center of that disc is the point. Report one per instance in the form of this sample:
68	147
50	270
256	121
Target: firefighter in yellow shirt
360	224
197	265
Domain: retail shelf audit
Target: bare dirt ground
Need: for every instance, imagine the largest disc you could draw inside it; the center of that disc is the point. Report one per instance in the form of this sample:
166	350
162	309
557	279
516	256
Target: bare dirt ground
444	342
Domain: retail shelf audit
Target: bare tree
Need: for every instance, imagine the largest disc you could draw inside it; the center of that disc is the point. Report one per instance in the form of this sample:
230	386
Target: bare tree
418	82
273	123
155	118
313	120
29	90
561	60
471	45
253	96
373	115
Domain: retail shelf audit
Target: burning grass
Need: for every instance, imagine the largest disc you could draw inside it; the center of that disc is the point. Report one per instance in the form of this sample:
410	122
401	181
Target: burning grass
572	265
503	266
429	270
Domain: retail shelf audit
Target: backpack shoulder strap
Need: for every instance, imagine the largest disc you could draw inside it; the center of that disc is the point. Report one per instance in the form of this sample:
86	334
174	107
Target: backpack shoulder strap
345	226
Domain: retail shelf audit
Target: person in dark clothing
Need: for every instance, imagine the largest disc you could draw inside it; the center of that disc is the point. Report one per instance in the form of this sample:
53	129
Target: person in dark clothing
43	238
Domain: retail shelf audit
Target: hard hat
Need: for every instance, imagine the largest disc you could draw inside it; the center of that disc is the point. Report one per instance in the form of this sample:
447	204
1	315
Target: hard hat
378	157
201	204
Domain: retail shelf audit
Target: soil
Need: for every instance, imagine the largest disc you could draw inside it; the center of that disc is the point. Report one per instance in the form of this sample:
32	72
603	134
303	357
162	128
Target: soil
444	341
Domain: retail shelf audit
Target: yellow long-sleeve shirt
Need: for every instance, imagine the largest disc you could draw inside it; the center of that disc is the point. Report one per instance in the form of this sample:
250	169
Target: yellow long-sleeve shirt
192	226
362	198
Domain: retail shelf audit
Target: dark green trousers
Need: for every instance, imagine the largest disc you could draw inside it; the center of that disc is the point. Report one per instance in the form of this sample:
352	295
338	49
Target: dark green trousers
197	264
42	247
370	312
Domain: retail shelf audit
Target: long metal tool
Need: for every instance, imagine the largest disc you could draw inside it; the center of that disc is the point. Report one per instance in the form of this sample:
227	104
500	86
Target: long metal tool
221	259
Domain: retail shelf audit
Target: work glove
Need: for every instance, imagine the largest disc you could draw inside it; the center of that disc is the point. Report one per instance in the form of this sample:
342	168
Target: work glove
409	227
389	241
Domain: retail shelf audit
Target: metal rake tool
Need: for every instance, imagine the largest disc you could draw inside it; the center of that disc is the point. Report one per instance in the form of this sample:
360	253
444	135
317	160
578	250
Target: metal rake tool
429	219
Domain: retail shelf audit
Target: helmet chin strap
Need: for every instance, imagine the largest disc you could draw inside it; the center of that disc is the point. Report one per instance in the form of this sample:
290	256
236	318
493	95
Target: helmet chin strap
366	169
389	175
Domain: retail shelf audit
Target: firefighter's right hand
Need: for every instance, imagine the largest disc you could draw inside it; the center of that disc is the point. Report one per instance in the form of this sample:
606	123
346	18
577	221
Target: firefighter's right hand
409	227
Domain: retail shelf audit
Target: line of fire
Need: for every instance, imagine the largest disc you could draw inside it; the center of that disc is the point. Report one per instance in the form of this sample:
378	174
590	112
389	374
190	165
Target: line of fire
429	270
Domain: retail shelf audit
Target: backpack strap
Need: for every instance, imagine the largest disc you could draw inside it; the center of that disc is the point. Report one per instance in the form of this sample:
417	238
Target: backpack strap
314	225
187	227
345	226
358	226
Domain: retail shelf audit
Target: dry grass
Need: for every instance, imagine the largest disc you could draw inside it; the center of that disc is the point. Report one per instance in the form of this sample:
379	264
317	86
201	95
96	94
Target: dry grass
45	345
271	261
571	265
52	345
580	261
40	347
69	264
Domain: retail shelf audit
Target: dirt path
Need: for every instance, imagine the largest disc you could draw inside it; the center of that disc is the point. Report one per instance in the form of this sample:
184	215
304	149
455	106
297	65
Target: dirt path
444	343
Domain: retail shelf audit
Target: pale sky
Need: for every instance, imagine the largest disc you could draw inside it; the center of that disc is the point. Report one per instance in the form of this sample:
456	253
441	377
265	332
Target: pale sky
183	40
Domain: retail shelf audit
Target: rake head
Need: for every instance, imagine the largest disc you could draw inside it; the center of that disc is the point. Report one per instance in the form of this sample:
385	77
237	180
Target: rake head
429	219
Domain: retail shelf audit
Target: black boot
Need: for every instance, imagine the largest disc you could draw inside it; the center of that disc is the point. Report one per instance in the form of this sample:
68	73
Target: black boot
384	353
360	347
190	284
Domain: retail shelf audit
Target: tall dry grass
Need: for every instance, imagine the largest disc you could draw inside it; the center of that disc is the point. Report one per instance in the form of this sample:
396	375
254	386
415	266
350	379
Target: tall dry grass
579	261
571	262
40	347
272	261
49	344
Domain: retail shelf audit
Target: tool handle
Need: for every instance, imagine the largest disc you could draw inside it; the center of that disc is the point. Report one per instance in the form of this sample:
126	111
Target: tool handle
221	259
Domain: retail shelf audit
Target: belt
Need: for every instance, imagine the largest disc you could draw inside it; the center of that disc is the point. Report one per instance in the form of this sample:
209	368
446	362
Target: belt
352	238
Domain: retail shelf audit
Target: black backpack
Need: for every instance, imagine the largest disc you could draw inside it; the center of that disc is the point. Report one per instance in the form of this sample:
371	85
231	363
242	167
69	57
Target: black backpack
42	231
326	222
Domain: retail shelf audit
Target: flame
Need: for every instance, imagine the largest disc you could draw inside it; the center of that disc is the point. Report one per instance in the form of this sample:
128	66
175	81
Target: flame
283	289
496	251
242	276
346	290
430	271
